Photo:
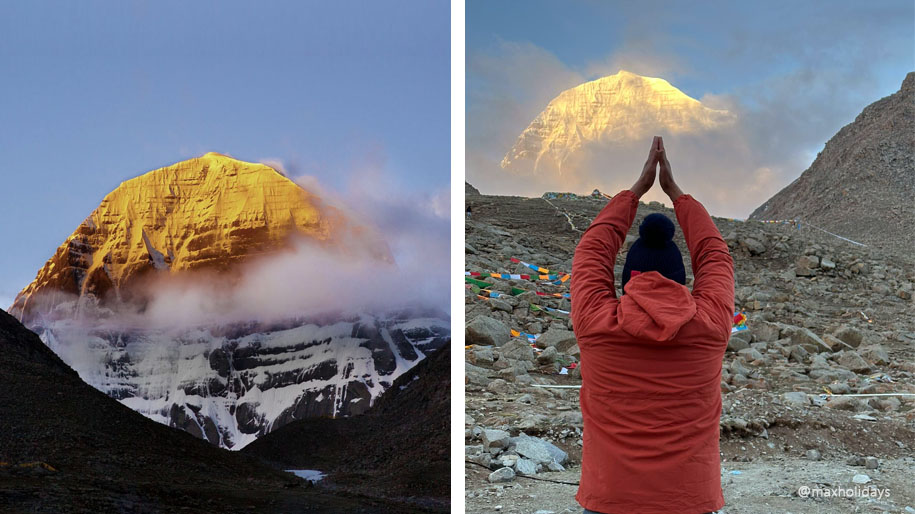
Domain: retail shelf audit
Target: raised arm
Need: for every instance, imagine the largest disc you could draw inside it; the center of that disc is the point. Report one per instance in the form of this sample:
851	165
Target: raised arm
713	267
595	255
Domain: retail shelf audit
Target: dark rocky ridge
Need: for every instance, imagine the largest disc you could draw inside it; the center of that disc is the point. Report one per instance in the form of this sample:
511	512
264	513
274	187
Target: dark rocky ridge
66	447
401	445
862	184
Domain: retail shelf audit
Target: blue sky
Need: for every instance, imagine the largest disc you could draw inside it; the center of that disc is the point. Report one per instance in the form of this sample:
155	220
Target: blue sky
795	72
94	93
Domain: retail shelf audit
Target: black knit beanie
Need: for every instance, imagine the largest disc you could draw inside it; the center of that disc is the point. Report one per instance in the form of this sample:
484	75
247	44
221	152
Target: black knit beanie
655	250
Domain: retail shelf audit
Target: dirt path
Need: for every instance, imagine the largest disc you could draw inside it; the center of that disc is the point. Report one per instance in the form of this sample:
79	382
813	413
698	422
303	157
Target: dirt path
760	488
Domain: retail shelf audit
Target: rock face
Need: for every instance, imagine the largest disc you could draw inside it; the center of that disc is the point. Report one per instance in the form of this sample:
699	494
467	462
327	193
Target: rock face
212	212
231	385
619	107
232	380
862	184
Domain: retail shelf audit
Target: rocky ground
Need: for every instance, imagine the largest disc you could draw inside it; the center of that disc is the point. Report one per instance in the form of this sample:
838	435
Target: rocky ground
825	318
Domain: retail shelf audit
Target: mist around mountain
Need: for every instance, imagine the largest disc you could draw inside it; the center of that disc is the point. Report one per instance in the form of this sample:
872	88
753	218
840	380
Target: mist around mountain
736	148
225	299
614	109
596	134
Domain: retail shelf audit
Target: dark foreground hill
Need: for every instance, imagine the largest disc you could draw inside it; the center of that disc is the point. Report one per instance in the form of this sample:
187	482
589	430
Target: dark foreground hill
401	445
862	184
66	447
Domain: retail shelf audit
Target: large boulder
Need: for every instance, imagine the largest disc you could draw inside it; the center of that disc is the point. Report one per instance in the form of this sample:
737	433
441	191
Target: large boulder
539	450
476	375
502	475
810	341
875	354
487	331
852	361
806	266
753	245
563	340
517	349
493	438
739	340
764	331
849	335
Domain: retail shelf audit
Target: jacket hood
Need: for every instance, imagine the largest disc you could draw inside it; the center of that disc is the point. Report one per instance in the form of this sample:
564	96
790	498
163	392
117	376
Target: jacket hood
655	307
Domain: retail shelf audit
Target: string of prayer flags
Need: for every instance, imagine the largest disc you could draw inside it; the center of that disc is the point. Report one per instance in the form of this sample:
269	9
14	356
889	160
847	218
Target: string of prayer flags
530	337
562	277
739	322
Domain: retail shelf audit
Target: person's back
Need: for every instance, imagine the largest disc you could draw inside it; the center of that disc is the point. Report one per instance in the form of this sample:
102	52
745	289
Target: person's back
651	360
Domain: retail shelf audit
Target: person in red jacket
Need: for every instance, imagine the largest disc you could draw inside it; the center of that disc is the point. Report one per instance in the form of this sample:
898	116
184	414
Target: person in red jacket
651	358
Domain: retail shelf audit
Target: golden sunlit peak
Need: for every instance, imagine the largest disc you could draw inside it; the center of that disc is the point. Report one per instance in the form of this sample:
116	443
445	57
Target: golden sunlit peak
616	108
209	212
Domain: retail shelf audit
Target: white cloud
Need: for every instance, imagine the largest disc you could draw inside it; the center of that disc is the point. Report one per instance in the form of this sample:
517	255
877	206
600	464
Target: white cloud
782	121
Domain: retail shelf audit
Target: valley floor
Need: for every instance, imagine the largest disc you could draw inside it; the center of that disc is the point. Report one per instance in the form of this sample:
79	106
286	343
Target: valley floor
762	487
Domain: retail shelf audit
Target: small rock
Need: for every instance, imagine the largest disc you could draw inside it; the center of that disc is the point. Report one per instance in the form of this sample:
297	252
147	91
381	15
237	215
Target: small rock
533	450
518	349
875	353
500	386
851	360
483	459
752	245
861	478
503	475
803	336
737	343
500	305
750	354
813	455
548	355
483	355
765	331
525	398
798	354
796	399
849	335
563	340
871	462
493	438
526	467
855	460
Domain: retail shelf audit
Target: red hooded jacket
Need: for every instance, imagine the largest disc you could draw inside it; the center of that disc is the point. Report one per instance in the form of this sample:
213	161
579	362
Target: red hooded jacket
651	368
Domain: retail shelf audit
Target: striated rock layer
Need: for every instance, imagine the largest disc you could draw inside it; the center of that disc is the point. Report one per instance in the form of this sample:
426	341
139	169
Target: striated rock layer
619	107
862	184
212	212
231	384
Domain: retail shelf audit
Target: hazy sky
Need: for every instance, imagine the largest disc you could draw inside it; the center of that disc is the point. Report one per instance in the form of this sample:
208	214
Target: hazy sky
793	72
94	93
